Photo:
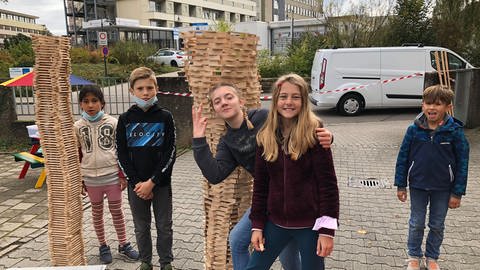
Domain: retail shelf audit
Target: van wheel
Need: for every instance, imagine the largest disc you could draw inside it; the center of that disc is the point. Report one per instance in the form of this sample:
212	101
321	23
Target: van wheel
350	105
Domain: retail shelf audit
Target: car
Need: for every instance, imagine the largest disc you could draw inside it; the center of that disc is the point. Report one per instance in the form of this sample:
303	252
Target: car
354	79
170	57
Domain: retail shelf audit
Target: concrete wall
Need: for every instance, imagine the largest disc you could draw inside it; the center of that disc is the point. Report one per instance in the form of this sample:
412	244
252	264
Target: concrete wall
180	107
467	97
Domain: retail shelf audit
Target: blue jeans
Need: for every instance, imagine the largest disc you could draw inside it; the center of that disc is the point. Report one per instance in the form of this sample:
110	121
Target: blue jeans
438	201
239	241
277	237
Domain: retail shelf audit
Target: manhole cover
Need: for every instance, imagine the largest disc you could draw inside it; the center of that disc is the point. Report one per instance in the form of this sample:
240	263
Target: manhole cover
370	182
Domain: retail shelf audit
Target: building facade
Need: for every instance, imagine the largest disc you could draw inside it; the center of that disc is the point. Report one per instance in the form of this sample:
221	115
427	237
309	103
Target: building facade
154	17
13	23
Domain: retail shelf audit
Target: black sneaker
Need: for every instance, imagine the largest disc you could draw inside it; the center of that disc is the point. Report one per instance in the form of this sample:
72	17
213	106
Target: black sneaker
105	254
146	266
167	266
128	252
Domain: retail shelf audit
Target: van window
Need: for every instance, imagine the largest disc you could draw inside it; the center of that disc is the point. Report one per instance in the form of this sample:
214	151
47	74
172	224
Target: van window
453	61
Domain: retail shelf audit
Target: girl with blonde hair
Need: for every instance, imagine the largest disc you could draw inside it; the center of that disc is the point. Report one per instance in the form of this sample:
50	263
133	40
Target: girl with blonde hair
237	148
295	194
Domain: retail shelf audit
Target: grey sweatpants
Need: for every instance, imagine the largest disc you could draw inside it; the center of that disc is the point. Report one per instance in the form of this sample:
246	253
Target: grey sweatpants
142	219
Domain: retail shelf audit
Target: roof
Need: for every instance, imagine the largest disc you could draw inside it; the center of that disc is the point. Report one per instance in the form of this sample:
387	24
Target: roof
18	14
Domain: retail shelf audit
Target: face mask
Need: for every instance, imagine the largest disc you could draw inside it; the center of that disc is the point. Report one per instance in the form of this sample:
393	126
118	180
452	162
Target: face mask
94	118
145	104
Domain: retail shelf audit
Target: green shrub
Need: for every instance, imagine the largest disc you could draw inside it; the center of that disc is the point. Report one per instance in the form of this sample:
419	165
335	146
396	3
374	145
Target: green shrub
271	66
79	55
6	61
301	53
95	56
132	52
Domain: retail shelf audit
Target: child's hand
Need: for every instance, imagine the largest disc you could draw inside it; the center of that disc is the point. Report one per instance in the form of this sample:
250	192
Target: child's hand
324	246
144	189
199	122
402	195
123	183
454	202
258	241
84	189
324	137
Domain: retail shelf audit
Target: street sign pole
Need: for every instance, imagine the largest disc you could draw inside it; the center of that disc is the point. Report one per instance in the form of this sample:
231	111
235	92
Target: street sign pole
105	53
102	40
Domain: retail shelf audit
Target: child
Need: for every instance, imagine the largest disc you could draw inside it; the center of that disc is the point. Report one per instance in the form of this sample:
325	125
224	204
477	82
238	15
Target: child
146	152
96	135
290	165
433	160
237	148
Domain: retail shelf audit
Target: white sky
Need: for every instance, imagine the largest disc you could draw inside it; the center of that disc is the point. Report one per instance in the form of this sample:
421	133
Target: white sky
52	14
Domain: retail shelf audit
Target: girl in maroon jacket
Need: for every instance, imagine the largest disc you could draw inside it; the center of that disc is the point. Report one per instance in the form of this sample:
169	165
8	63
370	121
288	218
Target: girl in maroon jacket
295	194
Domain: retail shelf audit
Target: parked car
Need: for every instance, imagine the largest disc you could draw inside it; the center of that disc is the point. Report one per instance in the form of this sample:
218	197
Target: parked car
170	57
339	69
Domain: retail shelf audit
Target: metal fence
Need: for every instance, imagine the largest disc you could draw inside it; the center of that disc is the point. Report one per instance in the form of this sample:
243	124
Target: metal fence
115	91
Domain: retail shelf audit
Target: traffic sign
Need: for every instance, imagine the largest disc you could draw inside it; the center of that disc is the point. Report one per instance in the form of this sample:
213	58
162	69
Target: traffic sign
102	39
105	50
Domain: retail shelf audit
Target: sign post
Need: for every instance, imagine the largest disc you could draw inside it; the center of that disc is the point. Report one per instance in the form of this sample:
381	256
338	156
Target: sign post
105	54
103	41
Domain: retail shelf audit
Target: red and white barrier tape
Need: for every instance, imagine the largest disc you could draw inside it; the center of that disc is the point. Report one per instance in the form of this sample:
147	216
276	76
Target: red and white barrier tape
365	85
321	93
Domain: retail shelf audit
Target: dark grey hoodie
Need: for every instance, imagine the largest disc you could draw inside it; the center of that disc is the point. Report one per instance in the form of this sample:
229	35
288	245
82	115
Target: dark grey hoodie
235	148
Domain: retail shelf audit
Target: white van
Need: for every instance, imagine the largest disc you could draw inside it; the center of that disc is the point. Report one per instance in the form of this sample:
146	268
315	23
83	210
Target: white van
370	71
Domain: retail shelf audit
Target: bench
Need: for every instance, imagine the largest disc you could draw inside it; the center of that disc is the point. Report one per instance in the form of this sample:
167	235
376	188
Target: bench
34	161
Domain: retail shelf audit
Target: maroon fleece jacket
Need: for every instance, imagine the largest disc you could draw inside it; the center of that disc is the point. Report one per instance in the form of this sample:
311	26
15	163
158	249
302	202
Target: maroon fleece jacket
294	193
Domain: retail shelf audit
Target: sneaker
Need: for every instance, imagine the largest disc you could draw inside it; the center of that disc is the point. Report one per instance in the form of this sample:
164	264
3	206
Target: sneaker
167	266
128	252
413	263
146	266
105	254
432	264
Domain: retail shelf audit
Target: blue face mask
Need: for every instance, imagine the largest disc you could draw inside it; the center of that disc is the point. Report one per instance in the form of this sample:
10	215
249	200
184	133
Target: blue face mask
94	118
145	104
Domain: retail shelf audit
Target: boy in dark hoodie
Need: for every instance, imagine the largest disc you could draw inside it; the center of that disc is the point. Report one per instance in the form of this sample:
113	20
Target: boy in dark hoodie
146	153
433	160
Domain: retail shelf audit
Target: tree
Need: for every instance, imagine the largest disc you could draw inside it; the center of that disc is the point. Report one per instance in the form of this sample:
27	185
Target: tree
20	49
455	25
410	23
361	25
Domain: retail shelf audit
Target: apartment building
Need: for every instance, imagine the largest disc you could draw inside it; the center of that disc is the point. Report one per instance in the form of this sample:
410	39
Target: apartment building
178	13
13	23
156	18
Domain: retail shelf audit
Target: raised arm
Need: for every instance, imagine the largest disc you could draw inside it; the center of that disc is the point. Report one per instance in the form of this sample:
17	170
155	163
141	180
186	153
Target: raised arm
217	168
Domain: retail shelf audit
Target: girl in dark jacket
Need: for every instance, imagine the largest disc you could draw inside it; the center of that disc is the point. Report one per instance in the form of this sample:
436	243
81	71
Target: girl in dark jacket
295	195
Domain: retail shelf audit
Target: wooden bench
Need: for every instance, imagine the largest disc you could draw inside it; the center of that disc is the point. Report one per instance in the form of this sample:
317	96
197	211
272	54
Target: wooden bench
34	161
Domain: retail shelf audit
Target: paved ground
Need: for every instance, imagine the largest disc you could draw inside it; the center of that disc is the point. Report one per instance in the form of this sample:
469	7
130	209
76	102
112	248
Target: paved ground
373	227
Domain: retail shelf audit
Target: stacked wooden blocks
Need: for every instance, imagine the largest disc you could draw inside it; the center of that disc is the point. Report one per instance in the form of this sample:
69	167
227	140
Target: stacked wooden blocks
215	57
55	124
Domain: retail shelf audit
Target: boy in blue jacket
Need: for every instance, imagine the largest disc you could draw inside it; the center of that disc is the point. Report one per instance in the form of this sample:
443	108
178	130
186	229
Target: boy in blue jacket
433	160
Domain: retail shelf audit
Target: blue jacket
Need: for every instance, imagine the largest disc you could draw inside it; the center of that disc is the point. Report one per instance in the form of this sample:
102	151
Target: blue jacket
433	159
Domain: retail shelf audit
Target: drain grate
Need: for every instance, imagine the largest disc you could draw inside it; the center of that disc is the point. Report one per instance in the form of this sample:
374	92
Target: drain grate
370	182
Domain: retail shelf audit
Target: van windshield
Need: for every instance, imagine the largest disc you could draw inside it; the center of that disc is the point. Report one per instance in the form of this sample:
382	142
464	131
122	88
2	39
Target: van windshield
453	61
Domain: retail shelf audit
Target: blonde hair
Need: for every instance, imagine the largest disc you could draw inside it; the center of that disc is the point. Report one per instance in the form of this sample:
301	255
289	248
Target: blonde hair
142	73
438	93
236	92
302	134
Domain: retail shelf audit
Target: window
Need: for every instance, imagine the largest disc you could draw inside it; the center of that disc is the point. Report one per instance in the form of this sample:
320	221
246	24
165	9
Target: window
453	61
